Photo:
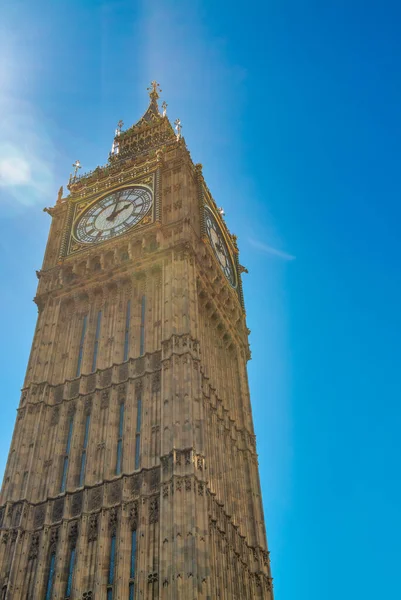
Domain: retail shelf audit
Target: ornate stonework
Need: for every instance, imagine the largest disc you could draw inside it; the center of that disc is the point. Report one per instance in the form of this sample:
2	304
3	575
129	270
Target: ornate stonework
134	450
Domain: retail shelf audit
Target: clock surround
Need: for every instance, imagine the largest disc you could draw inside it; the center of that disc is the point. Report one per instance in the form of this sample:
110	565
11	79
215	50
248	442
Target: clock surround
113	214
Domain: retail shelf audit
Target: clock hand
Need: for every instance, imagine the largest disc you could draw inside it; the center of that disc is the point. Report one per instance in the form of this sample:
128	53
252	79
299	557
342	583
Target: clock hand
113	214
116	212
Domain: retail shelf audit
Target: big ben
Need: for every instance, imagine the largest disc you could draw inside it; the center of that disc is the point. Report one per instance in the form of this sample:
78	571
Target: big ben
133	472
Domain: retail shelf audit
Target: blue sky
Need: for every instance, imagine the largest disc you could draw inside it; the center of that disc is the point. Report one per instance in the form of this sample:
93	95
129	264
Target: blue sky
294	110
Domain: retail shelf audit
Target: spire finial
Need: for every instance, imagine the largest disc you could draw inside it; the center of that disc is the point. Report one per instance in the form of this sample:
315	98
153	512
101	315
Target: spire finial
154	90
178	128
76	165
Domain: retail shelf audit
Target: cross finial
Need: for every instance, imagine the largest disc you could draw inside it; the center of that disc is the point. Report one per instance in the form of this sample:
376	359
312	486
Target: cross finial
76	165
164	107
178	128
120	125
154	90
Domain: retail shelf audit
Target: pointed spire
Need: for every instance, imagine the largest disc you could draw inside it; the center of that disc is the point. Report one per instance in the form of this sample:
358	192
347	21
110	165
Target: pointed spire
152	111
154	90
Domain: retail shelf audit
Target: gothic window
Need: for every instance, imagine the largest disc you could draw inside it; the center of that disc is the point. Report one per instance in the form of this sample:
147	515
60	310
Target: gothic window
71	565
112	562
138	433
126	335
81	346
96	346
50	576
132	566
83	455
120	440
67	455
142	336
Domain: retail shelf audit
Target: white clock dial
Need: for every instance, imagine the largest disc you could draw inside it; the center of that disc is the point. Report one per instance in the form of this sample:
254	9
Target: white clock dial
113	214
220	247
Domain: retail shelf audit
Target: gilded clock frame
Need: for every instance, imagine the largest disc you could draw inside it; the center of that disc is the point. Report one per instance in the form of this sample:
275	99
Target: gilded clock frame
81	205
223	231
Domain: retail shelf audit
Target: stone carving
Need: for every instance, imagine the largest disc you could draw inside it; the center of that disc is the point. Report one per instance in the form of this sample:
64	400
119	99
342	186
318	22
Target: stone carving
34	547
91	382
114	492
71	409
106	377
95	498
165	460
138	386
39	517
88	405
54	536
74	388
165	491
105	399
154	479
201	488
188	485
76	504
153	577
55	416
123	374
139	365
87	595
133	515
73	532
1	516
156	382
17	515
4	539
58	509
113	521
187	455
154	510
92	531
156	358
58	393
178	485
136	485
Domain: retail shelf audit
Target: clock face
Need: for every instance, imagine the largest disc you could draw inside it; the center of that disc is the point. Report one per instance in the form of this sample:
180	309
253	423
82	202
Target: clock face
219	246
113	214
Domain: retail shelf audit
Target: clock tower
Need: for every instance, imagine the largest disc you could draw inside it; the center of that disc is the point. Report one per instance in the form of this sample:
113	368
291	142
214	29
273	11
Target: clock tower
133	472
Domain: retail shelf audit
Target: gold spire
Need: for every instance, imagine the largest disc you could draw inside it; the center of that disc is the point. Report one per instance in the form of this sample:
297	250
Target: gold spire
154	91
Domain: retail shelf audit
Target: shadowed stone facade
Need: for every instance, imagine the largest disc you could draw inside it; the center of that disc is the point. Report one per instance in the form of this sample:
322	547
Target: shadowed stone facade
133	471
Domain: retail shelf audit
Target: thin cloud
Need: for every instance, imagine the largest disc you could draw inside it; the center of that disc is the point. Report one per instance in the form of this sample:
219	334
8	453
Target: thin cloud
270	250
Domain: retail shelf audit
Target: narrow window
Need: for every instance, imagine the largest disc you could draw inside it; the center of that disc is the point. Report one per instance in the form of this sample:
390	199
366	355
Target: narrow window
71	566
49	587
132	566
81	346
83	455
120	440
138	433
126	335
142	336
96	346
110	578
67	455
